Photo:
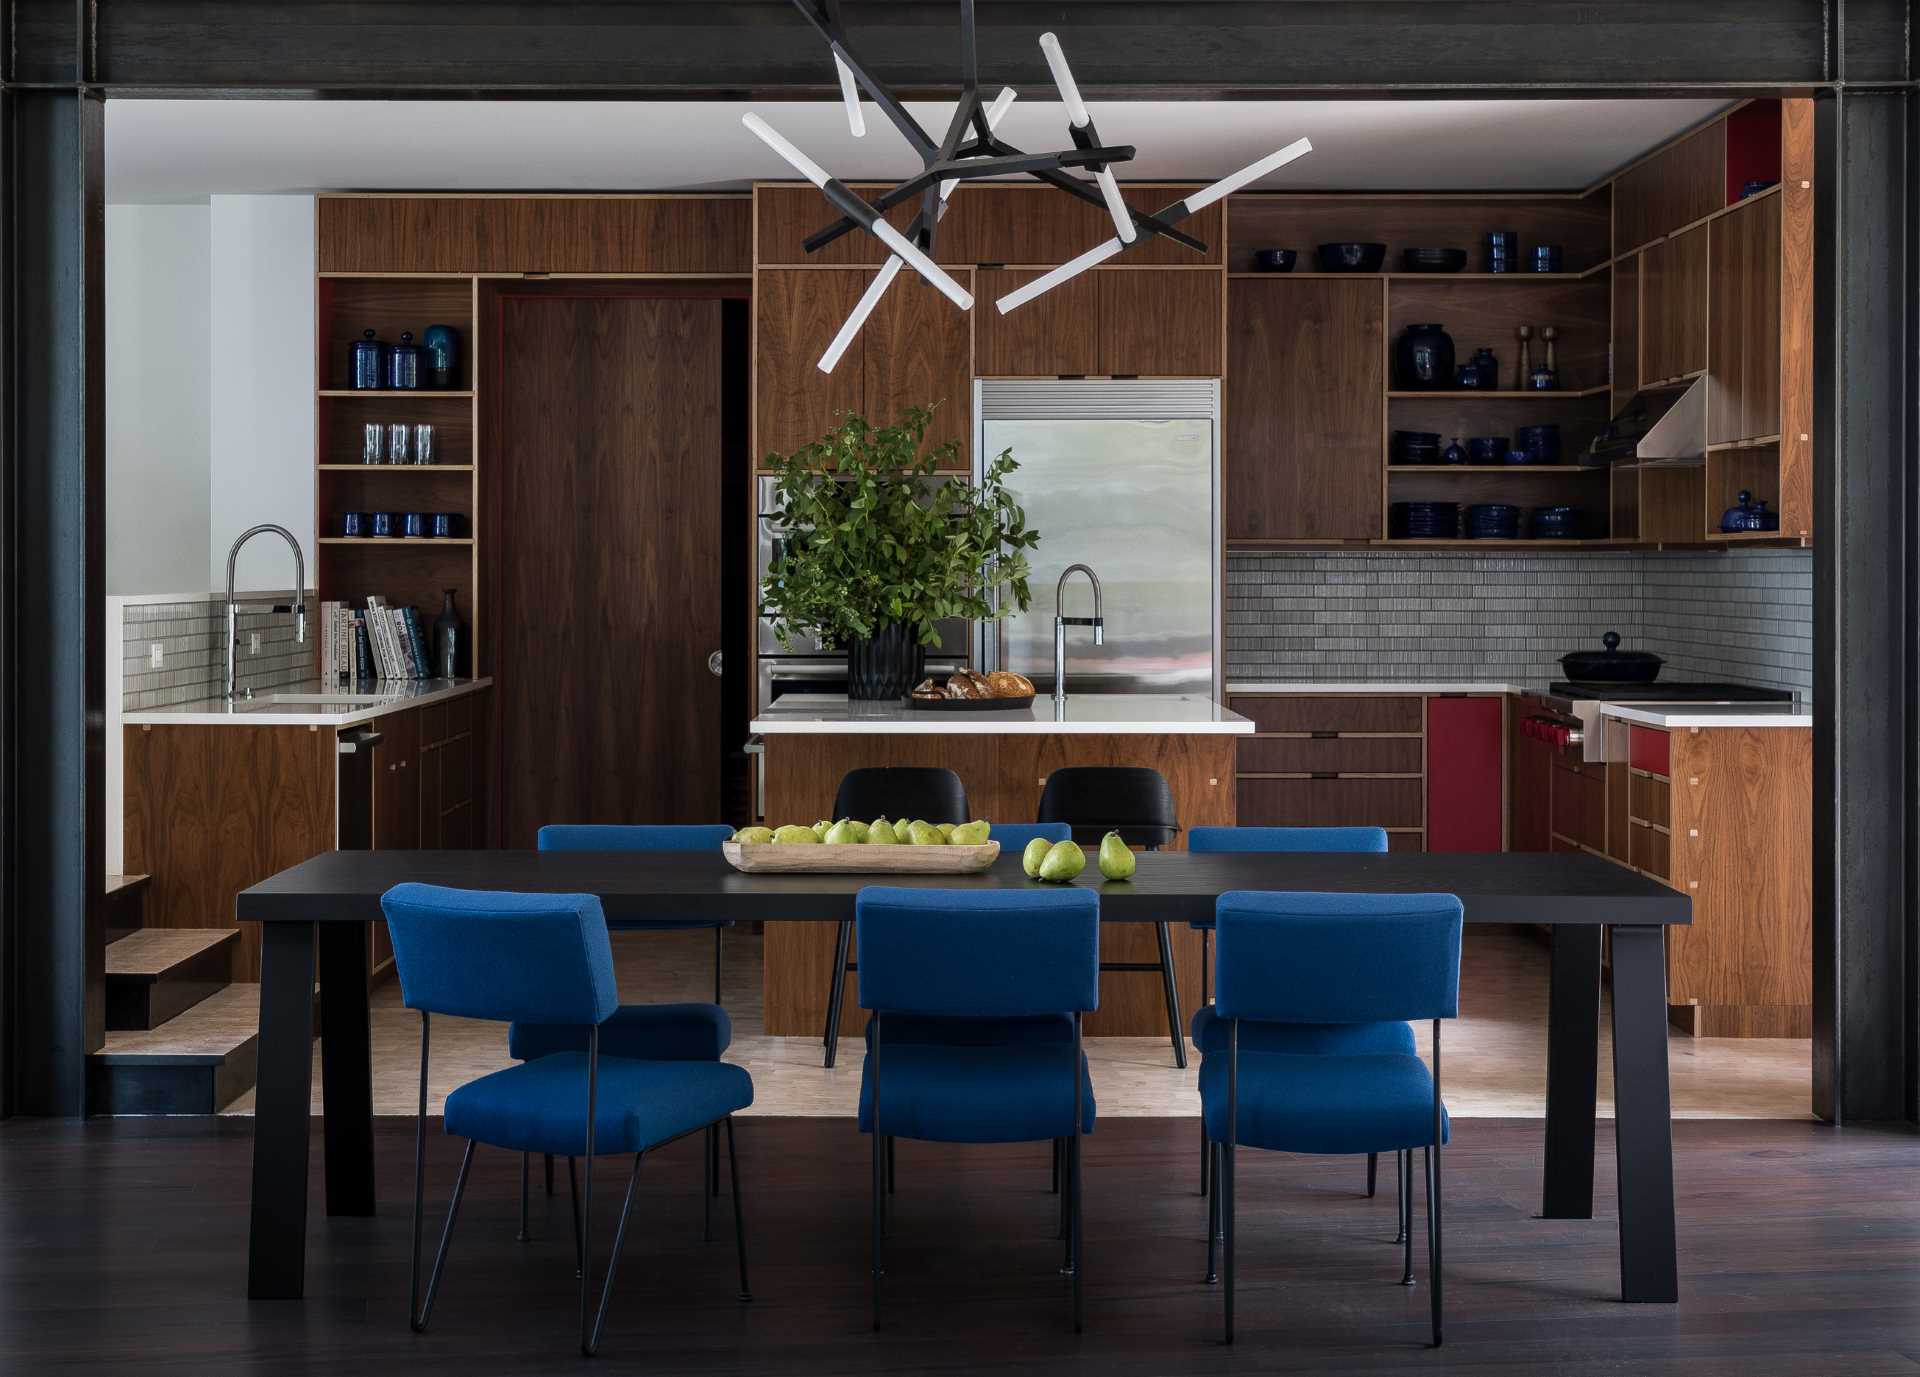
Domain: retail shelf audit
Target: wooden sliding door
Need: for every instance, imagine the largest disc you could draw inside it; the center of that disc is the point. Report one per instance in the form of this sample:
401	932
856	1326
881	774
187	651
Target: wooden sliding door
609	603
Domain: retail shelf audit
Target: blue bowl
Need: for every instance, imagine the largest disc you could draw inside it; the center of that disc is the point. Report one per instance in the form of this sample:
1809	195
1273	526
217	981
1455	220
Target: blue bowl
1488	449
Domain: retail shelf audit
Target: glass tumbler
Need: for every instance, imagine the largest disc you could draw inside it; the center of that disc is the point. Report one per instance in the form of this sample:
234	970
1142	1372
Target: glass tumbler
423	444
373	443
397	434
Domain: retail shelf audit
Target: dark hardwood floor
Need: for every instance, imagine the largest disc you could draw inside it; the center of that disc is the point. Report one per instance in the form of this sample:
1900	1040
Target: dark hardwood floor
123	1248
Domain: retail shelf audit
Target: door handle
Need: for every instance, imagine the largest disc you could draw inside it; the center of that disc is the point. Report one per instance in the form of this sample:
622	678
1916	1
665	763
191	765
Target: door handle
713	664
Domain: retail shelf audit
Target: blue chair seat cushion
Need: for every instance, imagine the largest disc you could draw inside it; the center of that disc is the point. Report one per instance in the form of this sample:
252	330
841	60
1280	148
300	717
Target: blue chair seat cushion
1392	1038
975	1094
639	1032
541	1106
1318	1103
960	1031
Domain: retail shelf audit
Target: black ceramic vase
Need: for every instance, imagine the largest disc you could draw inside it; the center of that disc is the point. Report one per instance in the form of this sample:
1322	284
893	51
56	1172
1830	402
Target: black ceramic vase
1423	359
449	641
885	665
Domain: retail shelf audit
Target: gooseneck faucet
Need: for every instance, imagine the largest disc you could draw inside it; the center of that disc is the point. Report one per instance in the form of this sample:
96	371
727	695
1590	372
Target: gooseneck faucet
297	607
1060	624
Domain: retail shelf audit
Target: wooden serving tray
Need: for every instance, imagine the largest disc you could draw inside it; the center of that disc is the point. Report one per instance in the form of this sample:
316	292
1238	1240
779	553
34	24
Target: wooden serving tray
969	704
771	858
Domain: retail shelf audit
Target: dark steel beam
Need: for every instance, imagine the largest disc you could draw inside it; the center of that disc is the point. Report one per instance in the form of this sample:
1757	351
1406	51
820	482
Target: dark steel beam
1866	604
1177	48
52	205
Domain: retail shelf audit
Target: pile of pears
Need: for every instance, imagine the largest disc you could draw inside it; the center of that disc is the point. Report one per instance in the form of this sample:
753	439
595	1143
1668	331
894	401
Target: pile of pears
1061	861
879	832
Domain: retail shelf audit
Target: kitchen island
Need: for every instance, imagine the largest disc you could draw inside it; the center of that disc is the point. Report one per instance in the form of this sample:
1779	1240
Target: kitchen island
1003	758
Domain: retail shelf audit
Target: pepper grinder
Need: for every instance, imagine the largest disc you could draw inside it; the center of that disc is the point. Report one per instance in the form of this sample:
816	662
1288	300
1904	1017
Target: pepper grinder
1547	377
1523	375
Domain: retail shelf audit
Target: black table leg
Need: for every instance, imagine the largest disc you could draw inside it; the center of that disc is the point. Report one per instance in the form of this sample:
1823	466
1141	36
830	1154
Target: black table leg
1643	1116
277	1243
1573	1056
346	1068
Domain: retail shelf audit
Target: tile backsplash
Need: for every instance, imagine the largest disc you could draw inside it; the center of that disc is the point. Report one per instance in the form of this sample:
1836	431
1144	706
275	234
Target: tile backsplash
1744	616
191	634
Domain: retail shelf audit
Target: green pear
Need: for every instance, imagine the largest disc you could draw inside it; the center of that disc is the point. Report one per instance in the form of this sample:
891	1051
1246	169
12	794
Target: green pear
1116	861
946	830
1031	858
861	832
970	833
754	834
820	829
880	833
794	835
923	833
841	834
1063	862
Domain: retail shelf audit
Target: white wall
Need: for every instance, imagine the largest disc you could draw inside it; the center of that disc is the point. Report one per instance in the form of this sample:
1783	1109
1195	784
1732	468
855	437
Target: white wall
158	396
261	343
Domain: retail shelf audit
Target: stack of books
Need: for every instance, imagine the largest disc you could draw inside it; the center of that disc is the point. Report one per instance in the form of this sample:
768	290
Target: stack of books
365	644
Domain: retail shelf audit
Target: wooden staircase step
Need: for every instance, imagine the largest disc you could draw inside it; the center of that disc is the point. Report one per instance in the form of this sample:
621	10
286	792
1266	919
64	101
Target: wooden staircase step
126	904
197	1062
156	974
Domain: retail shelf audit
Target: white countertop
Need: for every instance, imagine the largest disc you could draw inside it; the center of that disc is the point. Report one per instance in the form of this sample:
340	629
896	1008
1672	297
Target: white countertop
282	707
1090	714
1373	686
1711	714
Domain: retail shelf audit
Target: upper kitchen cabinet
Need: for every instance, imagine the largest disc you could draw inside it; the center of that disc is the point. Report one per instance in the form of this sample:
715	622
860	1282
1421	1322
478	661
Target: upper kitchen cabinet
1055	335
1160	324
1678	186
1304	421
1673	308
914	352
796	313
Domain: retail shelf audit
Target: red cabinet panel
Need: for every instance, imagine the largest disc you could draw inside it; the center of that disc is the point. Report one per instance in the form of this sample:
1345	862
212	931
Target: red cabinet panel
1647	749
1466	771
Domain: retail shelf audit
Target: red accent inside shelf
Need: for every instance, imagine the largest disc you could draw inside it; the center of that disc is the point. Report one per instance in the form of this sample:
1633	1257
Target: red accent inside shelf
1753	146
1648	749
1466	772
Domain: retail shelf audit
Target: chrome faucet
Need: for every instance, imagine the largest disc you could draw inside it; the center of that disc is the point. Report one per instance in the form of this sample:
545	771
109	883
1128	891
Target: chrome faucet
297	607
1060	624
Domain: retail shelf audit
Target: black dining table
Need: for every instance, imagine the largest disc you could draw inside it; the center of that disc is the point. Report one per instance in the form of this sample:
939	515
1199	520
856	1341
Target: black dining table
1580	897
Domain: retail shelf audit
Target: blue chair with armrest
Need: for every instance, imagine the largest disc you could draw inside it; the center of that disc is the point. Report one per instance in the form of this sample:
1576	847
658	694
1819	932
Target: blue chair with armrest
1330	961
644	1032
986	990
544	959
1210	1034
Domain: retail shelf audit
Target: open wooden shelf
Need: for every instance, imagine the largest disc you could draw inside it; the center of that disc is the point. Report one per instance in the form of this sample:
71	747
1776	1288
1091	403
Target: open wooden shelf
1530	470
1558	394
407	542
396	468
1442	277
412	394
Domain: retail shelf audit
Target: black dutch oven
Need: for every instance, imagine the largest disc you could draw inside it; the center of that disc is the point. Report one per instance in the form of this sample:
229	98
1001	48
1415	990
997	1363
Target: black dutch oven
1612	665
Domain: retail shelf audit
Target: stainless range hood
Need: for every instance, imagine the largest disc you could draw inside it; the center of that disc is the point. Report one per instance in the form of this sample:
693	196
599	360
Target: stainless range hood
1664	422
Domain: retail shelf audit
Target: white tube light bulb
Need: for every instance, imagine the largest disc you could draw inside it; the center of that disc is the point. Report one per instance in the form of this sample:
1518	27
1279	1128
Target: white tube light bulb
1063	78
1122	214
1253	172
773	139
922	264
1046	282
862	309
850	93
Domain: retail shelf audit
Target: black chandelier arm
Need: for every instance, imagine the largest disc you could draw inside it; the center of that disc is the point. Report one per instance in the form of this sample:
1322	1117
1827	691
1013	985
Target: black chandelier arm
823	17
1157	224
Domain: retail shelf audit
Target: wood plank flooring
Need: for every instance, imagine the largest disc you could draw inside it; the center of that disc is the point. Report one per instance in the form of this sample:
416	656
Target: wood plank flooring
123	1248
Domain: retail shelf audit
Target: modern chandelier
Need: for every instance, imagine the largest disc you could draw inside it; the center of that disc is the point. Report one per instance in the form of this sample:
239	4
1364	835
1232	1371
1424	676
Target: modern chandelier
969	151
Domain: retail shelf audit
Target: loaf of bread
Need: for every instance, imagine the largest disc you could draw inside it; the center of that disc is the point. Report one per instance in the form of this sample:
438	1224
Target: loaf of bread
1004	683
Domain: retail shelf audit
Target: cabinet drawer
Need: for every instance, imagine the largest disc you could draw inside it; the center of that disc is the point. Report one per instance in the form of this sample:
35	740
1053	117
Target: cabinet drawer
1647	749
1650	851
1649	799
1315	755
433	724
456	773
1331	802
1580	809
1294	713
460	714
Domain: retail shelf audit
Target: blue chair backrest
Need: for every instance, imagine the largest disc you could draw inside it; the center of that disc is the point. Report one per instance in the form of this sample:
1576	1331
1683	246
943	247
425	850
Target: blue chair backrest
1337	958
699	836
512	958
1008	954
1220	840
1014	836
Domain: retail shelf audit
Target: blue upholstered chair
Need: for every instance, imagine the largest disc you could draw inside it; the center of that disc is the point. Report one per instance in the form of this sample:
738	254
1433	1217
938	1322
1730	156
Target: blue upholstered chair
975	999
544	959
1333	961
1210	1033
644	1032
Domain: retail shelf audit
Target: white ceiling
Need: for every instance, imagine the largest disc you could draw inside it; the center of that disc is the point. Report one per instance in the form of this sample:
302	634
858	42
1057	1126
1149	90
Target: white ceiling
184	150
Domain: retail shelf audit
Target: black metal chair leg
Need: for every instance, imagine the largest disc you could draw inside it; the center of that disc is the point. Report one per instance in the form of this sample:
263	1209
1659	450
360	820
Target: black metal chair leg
1227	1211
549	1157
739	1217
1433	1237
1206	1157
1061	1188
526	1170
708	1187
579	1246
837	994
425	1315
1373	1170
1406	1215
892	1176
716	964
1055	1188
1399	1198
1213	1223
713	1156
590	1340
1171	989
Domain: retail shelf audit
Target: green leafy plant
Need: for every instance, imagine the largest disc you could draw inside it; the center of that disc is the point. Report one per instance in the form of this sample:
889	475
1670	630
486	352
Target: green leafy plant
876	535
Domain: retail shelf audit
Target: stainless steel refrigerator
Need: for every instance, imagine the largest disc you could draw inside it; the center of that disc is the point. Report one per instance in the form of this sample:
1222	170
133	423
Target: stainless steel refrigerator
1123	476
